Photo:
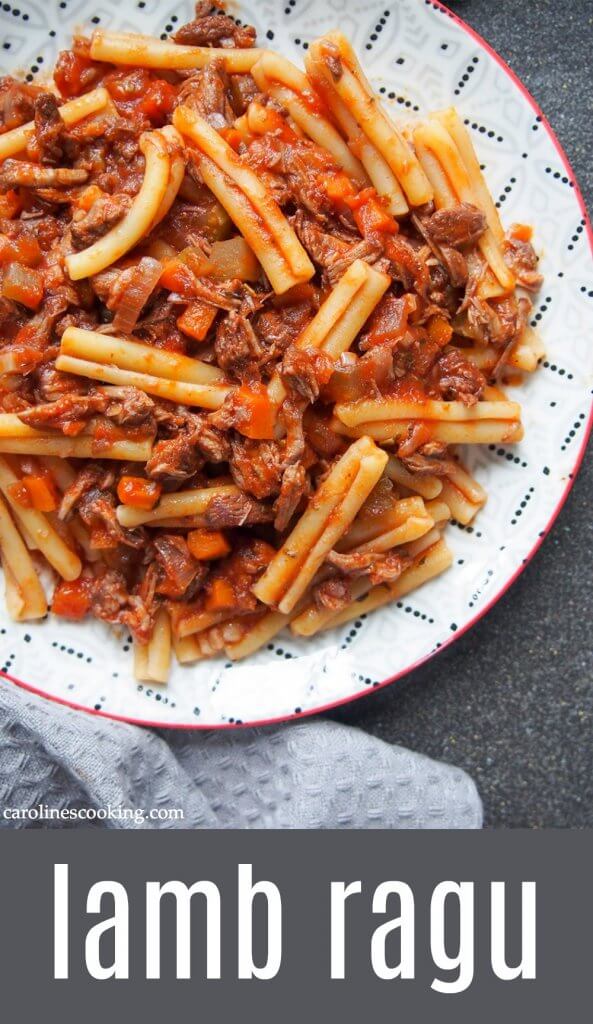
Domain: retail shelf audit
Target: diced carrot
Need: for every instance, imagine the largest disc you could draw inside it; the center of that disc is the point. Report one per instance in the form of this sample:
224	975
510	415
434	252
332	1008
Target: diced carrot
42	492
247	559
139	90
197	319
138	492
258	415
23	250
72	600
370	213
305	292
85	199
259	550
177	277
338	186
220	595
439	330
372	218
232	137
522	232
207	544
158	100
19	493
360	198
10	204
27	335
22	284
69	72
102	539
179	273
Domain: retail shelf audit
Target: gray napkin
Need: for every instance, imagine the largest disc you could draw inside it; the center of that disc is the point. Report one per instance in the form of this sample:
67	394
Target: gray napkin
313	774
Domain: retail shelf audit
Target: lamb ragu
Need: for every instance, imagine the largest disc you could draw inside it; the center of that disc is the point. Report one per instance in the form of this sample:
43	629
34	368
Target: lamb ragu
242	328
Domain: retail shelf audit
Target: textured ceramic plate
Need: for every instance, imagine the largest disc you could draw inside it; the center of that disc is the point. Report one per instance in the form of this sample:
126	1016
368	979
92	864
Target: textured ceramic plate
419	58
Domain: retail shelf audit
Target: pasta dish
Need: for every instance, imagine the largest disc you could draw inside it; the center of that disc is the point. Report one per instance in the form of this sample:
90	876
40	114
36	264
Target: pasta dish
246	321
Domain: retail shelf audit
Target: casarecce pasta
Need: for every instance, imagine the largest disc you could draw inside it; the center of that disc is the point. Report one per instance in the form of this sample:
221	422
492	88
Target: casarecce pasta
247	318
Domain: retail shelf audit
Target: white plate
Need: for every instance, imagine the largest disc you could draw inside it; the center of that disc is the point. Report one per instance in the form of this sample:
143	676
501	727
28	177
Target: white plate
419	57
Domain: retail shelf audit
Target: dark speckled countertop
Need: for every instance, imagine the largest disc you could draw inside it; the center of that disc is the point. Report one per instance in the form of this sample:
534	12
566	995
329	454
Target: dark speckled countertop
512	700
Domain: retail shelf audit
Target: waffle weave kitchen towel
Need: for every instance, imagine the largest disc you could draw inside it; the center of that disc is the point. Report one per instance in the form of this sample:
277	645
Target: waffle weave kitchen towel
65	768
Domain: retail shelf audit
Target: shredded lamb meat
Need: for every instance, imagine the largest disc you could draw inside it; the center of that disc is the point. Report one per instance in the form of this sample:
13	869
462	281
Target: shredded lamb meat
17	102
214	30
92	475
175	460
333	594
230	510
218	347
212	443
208	93
278	328
237	347
23	174
49	130
52	384
405	263
294	487
456	379
305	370
104	214
331	253
96	507
130	407
456	226
65	413
180	575
422	463
112	602
384	567
255	466
522	259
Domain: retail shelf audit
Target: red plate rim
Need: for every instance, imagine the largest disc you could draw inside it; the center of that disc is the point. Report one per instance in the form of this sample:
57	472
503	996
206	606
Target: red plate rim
507	584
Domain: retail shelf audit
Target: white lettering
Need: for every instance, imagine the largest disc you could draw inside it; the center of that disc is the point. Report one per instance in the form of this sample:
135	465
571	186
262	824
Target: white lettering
183	895
463	961
247	893
339	894
405	922
60	921
526	966
119	923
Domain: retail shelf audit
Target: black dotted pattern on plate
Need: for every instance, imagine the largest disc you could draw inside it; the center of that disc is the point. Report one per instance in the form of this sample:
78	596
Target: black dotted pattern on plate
153	693
374	36
481	129
466	77
399	99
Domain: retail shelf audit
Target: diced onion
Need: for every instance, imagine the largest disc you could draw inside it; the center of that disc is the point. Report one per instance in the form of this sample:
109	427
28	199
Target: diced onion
136	294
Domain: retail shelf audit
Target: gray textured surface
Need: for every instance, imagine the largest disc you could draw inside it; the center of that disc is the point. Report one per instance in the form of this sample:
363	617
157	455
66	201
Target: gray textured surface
512	701
312	775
